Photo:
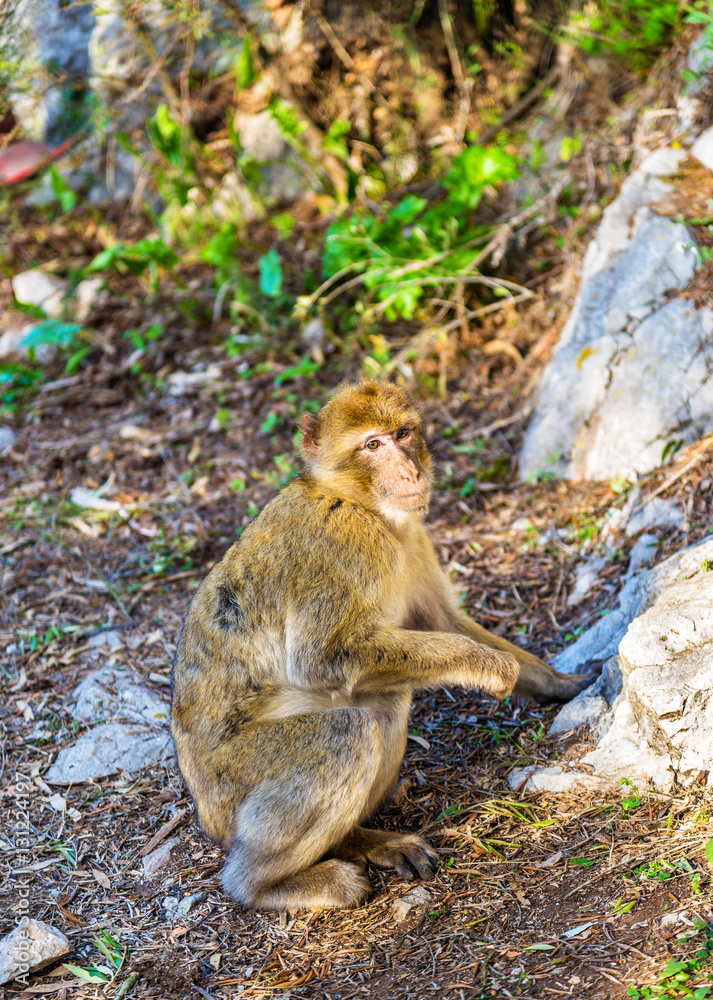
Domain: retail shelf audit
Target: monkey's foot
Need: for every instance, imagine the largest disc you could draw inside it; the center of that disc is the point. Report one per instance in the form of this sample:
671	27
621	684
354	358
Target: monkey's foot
405	852
333	883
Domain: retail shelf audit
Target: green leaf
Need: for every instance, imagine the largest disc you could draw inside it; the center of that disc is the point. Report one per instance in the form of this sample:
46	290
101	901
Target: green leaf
51	331
304	368
89	975
709	851
245	72
75	360
271	274
66	197
582	862
166	134
104	259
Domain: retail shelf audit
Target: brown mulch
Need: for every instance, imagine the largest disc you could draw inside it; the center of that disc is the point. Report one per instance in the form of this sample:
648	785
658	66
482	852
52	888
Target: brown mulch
518	875
540	896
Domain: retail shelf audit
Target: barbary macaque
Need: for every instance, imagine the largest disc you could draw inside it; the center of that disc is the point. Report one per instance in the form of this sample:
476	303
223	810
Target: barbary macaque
300	653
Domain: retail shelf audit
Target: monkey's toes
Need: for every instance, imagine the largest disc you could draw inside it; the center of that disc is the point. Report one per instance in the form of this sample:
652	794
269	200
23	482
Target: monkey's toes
405	853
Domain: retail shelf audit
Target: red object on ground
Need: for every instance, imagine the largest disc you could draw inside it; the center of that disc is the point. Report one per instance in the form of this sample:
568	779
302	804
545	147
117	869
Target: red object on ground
22	159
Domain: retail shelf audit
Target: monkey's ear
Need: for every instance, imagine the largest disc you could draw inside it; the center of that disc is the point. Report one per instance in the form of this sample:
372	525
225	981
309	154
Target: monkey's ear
310	434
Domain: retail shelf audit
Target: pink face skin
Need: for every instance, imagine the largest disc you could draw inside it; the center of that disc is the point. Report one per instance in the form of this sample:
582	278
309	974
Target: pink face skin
401	478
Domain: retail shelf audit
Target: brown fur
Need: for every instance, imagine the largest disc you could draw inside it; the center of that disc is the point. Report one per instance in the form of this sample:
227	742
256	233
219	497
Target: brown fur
300	652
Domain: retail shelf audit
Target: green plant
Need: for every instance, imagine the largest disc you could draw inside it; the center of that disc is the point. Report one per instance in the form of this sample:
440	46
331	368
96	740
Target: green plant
151	253
632	31
621	907
115	953
400	253
684	977
16	383
632	801
699	12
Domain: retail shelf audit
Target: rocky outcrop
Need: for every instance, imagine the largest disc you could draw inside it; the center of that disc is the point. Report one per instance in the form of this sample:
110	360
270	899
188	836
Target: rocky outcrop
652	706
630	374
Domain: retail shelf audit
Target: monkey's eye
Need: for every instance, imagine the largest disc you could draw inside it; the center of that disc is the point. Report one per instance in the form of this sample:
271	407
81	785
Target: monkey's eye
403	433
373	444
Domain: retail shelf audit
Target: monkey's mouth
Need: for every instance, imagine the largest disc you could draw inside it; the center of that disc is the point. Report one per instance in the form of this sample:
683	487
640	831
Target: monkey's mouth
410	499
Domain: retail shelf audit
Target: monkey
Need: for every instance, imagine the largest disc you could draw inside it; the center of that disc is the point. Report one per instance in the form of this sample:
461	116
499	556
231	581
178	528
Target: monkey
299	655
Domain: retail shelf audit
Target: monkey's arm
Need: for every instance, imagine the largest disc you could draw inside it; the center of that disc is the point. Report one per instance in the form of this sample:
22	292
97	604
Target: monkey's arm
369	660
536	679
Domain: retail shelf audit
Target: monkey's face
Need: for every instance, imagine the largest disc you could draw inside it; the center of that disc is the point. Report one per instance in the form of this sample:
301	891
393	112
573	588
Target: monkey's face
393	461
367	443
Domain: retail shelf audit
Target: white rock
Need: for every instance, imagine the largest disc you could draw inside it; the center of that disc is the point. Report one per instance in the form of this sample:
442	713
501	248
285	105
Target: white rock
643	553
585	577
417	899
7	439
667	654
630	372
159	858
108	749
35	288
90	294
521	524
624	754
702	148
551	779
622	219
31	946
114	693
602	640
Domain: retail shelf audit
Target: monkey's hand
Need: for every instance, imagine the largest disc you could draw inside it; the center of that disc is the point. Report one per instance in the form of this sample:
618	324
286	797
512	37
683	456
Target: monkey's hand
405	852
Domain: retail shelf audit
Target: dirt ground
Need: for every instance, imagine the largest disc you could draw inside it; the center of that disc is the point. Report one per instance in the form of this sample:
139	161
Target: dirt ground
537	896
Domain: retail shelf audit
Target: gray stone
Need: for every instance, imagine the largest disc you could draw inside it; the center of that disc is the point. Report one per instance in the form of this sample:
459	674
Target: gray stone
411	903
585	578
592	707
657	513
639	592
280	176
159	858
7	439
104	640
11	340
551	779
108	749
692	100
630	372
182	907
35	288
31	946
112	693
643	553
54	35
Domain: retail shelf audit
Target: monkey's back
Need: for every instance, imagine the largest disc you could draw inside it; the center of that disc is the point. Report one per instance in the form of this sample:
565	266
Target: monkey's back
262	614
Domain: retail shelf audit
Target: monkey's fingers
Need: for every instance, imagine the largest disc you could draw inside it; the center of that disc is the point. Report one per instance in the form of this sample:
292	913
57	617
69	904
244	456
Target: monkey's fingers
405	853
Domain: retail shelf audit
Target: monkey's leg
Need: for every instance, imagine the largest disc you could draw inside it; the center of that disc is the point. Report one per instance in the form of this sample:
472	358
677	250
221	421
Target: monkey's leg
314	784
536	679
405	852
